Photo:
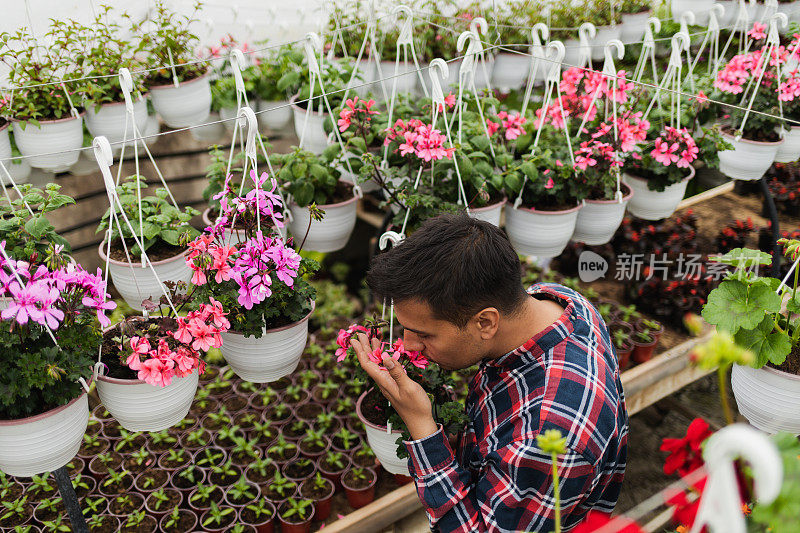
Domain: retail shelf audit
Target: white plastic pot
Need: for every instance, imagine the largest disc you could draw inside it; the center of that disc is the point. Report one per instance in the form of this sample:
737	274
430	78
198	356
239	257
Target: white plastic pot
50	136
483	71
85	165
43	442
604	34
110	122
19	169
210	132
489	213
274	115
404	76
136	284
789	151
228	114
748	160
510	71
768	398
540	233
572	55
701	8
329	234
188	104
269	358
139	406
655	205
383	443
598	220
5	145
633	26
315	139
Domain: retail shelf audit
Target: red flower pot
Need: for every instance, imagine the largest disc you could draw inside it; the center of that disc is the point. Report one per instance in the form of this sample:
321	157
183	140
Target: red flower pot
401	480
643	351
296	527
358	497
322	504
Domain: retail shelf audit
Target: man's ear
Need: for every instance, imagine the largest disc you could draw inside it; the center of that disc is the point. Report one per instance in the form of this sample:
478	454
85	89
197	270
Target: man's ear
487	321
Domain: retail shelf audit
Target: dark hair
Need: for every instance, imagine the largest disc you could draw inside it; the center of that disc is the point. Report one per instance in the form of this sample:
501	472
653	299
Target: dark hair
456	264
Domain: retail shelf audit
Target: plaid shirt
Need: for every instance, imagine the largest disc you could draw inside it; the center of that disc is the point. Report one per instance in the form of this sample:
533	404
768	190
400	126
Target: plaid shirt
566	378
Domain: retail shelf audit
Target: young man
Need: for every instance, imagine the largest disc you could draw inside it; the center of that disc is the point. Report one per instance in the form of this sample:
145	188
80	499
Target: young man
546	362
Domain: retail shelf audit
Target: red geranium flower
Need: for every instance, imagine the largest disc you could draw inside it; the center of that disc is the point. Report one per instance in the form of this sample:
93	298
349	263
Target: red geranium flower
595	520
685	454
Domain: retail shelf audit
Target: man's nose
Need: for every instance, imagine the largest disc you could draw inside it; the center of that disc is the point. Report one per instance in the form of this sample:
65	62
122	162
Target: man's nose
412	342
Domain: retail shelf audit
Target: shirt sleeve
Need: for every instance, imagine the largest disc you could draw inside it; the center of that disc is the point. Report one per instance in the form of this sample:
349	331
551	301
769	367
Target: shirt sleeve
513	491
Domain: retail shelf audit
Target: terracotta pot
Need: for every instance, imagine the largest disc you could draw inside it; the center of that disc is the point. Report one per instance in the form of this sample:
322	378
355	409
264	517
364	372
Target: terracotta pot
334	476
642	351
295	527
164	508
191	524
263	525
359	497
624	356
322	506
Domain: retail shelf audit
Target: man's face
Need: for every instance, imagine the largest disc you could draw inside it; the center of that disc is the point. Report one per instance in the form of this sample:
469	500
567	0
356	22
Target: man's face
438	340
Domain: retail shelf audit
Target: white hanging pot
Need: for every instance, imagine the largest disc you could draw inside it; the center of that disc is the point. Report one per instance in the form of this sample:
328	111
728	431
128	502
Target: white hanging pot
510	71
315	139
404	76
572	55
50	136
188	104
598	220
109	121
383	443
633	26
329	234
483	71
604	34
228	114
136	284
748	160
730	8
654	205
540	233
209	132
139	406
768	398
43	442
274	115
789	151
368	72
700	8
269	358
5	145
490	213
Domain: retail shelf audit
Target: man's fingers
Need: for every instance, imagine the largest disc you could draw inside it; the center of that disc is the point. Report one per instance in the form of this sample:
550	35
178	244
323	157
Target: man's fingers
376	343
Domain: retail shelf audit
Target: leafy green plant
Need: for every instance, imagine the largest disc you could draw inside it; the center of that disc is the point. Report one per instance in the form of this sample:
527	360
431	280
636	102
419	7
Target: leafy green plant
160	498
135	518
17	508
242	490
297	510
217	515
203	493
308	177
260	508
160	221
282	485
173	517
281	64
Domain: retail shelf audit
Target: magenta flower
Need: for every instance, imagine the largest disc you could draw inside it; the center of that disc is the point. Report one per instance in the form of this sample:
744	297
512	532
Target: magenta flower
23	303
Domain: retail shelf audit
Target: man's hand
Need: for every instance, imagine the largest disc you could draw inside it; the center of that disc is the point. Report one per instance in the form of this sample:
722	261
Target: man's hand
407	396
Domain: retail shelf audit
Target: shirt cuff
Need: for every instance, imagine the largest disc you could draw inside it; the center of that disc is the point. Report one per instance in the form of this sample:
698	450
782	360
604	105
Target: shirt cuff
430	454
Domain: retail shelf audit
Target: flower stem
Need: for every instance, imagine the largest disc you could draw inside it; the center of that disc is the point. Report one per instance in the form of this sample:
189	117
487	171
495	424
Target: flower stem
722	375
556	492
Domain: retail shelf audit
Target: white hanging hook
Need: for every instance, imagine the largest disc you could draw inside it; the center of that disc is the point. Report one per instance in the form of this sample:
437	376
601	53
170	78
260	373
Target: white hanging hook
406	35
680	43
608	63
719	507
555	53
390	237
438	71
586	32
479	23
312	46
102	153
246	114
776	21
466	37
237	64
717	10
687	18
126	84
539	33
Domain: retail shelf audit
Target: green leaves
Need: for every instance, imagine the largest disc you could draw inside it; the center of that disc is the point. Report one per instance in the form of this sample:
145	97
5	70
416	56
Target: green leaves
38	226
735	305
766	344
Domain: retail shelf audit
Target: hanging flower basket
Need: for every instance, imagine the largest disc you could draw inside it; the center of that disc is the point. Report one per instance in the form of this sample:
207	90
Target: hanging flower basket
789	151
60	135
43	442
274	115
510	71
139	406
136	284
598	220
209	132
604	34
490	213
383	443
189	104
768	398
540	233
326	235
634	26
110	121
700	8
315	139
748	160
268	358
405	76
655	205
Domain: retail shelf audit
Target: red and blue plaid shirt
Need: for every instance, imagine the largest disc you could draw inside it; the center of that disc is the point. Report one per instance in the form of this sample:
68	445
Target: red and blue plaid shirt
566	378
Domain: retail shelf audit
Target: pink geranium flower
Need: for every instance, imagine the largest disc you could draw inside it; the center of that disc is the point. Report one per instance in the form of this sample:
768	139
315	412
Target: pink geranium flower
156	372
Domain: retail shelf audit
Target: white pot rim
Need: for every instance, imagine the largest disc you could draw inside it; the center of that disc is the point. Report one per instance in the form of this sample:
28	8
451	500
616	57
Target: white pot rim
51	121
648	11
775	371
125	263
120	381
645	180
6	125
545	212
329	206
624	198
172	85
296	107
282	328
122	102
367	422
757	143
41	416
490	206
